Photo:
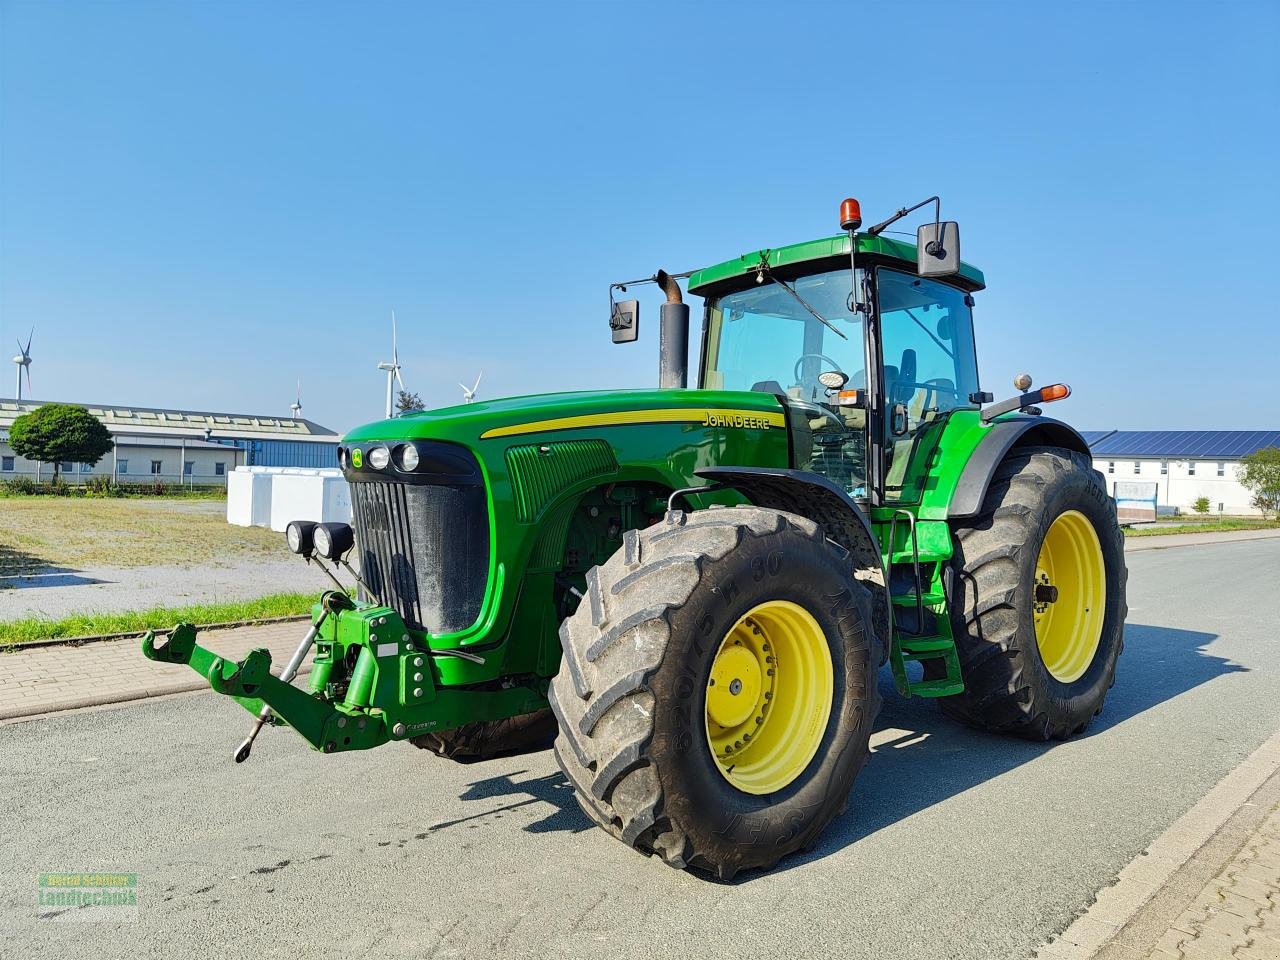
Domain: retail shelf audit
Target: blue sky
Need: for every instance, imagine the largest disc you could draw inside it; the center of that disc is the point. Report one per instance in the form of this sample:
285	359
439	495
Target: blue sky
202	203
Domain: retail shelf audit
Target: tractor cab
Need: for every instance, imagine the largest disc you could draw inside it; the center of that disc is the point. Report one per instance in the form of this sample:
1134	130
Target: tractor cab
867	377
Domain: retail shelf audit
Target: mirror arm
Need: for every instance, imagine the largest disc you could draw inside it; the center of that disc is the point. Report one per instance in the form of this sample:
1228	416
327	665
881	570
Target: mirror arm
937	217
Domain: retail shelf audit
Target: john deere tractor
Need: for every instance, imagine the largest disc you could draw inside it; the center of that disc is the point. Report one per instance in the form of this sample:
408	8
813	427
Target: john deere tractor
693	589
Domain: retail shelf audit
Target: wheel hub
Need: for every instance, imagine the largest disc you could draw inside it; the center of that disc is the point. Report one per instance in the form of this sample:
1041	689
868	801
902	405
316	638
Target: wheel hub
1069	596
768	697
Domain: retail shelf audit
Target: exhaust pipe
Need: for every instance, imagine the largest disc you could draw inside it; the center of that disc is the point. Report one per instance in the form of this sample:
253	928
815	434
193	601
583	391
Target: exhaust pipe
673	336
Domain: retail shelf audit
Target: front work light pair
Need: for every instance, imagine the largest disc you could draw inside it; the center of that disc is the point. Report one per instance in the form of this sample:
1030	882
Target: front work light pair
332	541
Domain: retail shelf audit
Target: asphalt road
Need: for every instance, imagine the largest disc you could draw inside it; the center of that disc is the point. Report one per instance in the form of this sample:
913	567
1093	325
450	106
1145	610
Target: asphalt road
955	844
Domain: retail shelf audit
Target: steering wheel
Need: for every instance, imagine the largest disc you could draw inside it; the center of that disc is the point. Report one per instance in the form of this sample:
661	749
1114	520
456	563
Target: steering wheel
815	356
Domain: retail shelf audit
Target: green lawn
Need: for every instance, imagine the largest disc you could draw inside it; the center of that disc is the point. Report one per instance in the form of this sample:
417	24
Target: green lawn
38	532
16	632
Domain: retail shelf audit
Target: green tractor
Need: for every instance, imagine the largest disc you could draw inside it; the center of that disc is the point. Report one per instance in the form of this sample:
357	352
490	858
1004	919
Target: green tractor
693	590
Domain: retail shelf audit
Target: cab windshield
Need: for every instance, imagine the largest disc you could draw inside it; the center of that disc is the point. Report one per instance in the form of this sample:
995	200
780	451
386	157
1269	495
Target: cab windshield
763	338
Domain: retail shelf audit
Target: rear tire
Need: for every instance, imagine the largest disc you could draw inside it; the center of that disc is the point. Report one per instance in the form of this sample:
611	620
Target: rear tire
636	730
492	738
1048	686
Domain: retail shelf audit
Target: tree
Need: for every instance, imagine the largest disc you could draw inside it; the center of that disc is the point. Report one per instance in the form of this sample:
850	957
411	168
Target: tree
57	432
1259	473
1201	505
407	402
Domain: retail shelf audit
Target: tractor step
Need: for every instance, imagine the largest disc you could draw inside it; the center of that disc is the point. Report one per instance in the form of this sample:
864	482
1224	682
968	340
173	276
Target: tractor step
910	649
908	599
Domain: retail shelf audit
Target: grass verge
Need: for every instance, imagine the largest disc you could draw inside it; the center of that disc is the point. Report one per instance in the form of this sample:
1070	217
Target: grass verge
1203	526
17	632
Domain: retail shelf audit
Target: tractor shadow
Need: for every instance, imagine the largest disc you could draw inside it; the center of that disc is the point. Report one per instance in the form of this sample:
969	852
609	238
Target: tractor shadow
920	757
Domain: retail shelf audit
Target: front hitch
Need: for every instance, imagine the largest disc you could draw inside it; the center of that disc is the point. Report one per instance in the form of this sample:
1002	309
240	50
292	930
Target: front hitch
273	699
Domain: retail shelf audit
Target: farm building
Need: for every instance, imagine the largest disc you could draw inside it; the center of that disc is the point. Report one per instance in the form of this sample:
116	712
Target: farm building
180	446
1171	469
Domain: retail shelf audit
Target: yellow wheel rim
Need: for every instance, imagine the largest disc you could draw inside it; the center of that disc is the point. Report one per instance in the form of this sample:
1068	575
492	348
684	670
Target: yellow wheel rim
1070	596
769	697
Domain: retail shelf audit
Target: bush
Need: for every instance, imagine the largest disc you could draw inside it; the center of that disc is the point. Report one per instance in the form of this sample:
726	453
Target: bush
24	486
1201	505
102	485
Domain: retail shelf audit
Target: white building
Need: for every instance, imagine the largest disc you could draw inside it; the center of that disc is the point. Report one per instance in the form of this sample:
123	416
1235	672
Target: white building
179	446
1179	466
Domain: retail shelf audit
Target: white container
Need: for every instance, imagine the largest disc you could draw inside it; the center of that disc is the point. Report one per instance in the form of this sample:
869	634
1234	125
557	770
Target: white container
305	494
249	497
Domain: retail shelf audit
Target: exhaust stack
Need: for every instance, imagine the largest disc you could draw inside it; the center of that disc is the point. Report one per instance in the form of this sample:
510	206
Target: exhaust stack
673	336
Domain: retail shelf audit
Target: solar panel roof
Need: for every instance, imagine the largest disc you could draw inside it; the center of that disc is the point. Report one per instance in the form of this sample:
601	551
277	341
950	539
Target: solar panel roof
1207	444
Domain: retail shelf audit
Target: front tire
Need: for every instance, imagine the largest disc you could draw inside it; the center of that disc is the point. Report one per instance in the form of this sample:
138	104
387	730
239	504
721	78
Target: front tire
728	777
1038	598
486	739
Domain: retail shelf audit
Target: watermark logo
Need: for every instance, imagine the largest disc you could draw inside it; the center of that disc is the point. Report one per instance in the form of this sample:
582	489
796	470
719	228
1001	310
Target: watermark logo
87	896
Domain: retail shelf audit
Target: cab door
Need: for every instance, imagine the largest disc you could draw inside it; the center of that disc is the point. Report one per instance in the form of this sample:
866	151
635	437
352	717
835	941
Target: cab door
929	369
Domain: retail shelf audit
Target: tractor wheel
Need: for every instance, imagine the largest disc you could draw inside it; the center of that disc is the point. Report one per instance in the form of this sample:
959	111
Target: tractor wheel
1038	598
718	688
492	738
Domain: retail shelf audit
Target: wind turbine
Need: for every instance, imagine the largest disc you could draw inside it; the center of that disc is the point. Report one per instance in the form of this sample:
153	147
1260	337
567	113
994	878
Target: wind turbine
296	406
469	393
392	368
23	360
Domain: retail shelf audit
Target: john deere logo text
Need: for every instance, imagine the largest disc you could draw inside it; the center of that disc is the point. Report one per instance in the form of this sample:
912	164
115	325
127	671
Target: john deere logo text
737	420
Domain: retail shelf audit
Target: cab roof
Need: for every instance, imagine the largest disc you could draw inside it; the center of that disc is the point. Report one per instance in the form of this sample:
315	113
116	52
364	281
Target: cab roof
710	281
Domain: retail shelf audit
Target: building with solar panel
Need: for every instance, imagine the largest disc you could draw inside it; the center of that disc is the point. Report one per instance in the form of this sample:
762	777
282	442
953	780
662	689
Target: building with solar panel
1162	471
179	446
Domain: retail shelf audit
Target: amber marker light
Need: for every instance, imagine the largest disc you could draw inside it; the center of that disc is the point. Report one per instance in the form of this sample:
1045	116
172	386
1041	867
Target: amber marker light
1055	391
850	214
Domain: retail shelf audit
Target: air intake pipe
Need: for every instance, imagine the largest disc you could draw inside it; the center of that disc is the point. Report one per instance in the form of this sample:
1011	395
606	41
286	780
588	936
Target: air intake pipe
673	336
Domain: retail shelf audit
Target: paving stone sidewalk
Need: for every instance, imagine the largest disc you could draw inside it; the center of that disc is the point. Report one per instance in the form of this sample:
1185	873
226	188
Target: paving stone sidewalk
63	677
1237	915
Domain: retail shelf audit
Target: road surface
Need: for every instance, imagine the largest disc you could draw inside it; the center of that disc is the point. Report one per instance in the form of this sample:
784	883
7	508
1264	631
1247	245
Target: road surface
955	843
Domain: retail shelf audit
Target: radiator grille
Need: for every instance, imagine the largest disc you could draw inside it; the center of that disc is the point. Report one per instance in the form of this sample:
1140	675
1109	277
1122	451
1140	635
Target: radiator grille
424	550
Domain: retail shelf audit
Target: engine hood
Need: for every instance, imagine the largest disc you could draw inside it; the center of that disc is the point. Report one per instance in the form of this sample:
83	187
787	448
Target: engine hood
498	419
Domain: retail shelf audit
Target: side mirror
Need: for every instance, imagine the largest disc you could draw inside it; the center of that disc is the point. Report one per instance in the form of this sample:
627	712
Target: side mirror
625	322
938	249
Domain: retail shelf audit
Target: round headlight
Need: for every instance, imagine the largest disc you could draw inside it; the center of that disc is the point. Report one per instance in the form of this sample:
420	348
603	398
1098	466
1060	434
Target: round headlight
342	456
409	457
379	457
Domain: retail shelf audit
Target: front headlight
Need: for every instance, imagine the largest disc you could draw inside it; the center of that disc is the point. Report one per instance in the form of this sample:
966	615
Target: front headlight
409	457
379	457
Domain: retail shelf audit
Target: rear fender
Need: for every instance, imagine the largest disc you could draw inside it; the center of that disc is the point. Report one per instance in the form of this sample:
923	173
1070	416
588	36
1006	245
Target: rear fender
1001	438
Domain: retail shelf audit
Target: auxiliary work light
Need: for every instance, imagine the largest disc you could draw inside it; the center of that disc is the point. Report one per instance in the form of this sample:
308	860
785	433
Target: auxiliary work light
299	534
333	540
